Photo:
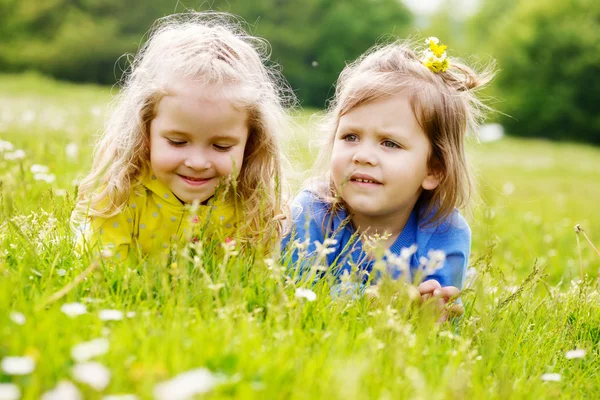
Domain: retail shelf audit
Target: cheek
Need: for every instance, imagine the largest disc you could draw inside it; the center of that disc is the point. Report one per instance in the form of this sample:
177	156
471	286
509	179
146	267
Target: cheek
226	163
163	156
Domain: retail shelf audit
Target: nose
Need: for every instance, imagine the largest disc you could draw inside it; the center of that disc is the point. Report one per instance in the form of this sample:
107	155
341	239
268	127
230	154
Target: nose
365	154
197	160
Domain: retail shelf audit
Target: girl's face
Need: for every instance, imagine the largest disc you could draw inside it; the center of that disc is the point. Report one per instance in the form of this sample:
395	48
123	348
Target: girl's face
379	159
196	138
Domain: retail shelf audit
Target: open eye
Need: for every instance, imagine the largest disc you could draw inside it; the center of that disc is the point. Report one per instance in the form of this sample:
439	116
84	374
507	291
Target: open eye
350	137
222	148
390	144
176	143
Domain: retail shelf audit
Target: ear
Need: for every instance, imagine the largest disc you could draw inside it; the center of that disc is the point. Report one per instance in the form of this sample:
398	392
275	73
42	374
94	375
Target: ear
433	177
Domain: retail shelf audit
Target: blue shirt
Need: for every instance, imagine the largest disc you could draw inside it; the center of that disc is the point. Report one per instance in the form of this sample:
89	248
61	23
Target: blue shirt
313	220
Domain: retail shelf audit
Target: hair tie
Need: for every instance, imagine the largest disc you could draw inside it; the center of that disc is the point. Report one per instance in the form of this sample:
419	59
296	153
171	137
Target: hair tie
435	57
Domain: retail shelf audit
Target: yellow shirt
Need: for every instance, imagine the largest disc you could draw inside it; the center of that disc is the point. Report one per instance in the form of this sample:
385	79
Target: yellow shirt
152	220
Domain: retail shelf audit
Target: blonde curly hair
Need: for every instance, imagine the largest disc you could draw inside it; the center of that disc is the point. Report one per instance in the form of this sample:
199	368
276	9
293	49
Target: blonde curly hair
213	49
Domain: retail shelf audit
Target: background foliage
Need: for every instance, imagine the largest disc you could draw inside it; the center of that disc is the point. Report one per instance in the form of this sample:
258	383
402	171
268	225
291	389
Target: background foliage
548	53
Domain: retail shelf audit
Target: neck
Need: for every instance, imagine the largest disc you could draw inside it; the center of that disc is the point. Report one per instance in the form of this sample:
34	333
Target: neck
376	225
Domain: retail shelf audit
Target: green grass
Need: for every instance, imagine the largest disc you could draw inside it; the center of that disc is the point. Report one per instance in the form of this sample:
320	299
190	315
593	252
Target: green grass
525	309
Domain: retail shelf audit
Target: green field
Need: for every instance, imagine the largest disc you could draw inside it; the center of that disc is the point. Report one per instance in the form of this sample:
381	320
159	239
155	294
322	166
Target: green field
238	318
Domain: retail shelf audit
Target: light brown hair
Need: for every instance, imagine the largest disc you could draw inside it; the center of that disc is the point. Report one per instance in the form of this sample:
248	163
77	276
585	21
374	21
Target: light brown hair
445	104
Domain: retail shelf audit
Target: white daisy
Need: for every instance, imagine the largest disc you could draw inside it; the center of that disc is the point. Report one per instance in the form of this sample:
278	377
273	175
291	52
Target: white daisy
9	391
110	315
18	365
65	390
571	354
185	385
92	373
18	318
306	294
73	309
88	350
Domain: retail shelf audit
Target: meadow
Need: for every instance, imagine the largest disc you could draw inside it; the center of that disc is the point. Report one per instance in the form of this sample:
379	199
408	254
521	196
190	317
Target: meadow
234	327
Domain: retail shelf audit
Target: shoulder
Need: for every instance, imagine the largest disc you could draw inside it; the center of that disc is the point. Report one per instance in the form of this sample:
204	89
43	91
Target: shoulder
309	203
452	233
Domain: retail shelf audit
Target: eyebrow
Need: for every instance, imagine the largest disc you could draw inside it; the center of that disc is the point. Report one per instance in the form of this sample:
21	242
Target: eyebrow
214	137
379	133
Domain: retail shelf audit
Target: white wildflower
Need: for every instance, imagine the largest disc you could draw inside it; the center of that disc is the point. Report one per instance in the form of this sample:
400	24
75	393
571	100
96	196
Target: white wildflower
65	390
88	350
434	262
229	248
73	309
5	146
18	365
307	294
48	178
186	385
72	151
110	315
578	353
18	318
432	39
301	245
130	314
401	263
9	391
325	248
39	169
551	377
61	272
407	252
14	156
92	373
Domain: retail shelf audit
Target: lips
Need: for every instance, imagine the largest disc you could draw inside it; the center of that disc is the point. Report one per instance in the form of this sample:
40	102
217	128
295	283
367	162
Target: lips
194	181
364	178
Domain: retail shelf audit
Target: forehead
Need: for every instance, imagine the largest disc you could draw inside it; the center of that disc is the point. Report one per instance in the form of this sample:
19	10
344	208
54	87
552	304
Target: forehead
389	113
192	107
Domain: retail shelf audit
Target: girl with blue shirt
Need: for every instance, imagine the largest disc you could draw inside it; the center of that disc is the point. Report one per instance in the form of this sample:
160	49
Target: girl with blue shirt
396	169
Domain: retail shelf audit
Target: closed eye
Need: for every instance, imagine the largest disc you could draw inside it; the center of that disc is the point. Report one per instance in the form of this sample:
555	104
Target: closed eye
222	148
390	144
176	143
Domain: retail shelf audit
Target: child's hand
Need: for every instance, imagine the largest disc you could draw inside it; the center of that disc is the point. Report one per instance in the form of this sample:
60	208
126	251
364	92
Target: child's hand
444	295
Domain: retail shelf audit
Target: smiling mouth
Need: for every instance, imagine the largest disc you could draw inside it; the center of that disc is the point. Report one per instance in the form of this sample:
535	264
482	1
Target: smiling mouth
194	181
364	179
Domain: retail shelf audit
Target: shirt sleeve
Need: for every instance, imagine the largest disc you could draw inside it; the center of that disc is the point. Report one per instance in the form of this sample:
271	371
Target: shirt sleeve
298	245
454	239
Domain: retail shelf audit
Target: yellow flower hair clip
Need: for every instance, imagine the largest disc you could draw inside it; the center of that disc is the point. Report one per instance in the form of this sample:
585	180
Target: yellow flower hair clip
435	57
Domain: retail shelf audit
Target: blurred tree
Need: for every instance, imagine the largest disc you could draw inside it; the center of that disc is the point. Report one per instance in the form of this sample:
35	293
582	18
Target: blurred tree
549	56
80	40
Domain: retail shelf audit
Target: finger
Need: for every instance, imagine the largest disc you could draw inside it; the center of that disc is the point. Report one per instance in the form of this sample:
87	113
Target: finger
456	310
447	292
428	287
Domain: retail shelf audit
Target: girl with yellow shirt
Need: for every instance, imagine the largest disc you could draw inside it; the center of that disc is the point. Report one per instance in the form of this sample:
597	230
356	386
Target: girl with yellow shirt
191	143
